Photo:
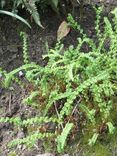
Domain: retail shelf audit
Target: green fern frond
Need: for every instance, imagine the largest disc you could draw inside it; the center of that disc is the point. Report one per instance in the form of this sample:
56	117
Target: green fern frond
36	120
9	76
110	127
31	139
92	141
30	99
31	7
61	139
25	48
89	113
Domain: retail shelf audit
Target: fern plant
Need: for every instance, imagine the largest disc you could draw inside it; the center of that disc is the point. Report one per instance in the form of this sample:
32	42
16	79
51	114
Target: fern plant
30	6
72	83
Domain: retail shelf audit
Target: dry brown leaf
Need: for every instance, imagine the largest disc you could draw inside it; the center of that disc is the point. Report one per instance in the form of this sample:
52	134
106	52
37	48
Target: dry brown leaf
63	30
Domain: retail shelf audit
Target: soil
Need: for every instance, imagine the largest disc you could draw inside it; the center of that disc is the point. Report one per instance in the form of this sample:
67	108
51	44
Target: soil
11	58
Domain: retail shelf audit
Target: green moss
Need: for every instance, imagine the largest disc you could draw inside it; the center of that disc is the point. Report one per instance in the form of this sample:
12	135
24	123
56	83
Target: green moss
12	154
98	150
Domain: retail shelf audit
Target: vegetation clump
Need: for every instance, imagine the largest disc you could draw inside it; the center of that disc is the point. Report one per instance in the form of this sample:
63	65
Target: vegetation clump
75	90
36	7
32	7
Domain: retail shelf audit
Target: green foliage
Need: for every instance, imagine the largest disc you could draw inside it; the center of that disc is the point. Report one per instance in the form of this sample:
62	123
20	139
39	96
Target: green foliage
73	82
93	140
90	113
36	120
61	139
10	76
30	6
25	48
110	127
30	140
30	99
16	16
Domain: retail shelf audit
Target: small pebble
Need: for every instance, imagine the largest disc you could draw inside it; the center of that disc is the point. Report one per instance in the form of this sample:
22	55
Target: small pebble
21	74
